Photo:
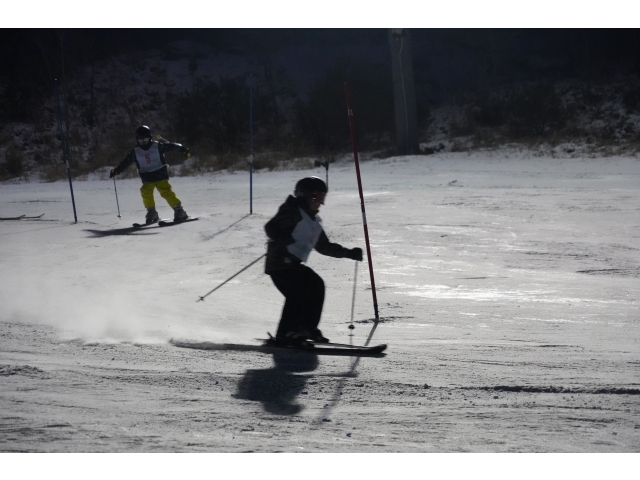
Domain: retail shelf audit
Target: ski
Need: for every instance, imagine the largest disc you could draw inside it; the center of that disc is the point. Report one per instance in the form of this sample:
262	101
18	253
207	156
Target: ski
169	223
23	217
348	350
345	345
376	351
330	348
165	222
142	225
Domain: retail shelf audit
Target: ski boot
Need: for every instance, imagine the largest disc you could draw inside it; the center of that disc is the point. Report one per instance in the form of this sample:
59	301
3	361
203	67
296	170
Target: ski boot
152	216
179	214
316	336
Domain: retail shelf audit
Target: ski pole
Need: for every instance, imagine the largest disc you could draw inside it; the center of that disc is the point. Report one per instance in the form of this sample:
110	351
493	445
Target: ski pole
201	299
116	190
251	145
353	303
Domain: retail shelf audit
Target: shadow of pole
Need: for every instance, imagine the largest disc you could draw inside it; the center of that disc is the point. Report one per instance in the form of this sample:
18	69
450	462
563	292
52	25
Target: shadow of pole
350	374
209	237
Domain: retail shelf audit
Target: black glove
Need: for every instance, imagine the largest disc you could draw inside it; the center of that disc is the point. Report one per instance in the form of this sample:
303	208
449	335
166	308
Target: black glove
112	173
354	254
186	152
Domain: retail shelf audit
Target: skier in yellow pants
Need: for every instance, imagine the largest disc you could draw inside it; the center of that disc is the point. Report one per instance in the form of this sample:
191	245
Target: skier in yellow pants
152	167
165	191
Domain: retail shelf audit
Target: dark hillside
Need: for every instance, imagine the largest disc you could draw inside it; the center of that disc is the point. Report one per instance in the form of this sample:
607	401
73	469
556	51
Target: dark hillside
571	90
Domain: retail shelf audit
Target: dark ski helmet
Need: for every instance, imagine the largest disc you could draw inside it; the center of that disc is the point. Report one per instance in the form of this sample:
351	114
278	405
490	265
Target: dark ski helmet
143	132
311	188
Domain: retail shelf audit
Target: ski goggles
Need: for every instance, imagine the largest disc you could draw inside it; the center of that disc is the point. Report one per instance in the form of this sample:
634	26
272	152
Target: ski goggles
143	141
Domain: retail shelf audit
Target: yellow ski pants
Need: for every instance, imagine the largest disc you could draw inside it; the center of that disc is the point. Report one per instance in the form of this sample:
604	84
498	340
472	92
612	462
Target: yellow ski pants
165	190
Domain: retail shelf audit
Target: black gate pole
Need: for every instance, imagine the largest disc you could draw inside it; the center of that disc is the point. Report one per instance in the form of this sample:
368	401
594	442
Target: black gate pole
63	140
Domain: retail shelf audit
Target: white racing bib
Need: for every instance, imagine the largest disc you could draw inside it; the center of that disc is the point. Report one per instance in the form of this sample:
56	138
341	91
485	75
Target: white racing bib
305	236
149	160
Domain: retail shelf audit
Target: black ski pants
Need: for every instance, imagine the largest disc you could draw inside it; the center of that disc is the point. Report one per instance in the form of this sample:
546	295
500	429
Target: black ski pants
303	290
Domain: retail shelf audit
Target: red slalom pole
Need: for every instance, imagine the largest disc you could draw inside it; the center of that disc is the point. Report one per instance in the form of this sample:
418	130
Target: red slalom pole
352	129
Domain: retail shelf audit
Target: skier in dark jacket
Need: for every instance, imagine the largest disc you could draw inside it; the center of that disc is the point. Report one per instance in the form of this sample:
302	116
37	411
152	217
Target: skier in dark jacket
293	233
154	173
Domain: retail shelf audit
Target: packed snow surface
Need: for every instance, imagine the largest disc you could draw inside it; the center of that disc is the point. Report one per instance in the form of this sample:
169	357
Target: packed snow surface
508	289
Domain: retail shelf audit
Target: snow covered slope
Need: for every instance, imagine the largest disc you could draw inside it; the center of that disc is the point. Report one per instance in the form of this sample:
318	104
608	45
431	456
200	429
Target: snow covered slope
508	288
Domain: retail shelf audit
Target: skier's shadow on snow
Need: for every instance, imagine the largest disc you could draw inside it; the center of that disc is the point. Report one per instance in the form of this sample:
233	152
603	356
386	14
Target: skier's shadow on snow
277	388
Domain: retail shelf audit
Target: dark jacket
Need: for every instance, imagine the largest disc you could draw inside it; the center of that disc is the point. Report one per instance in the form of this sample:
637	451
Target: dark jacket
279	230
156	175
